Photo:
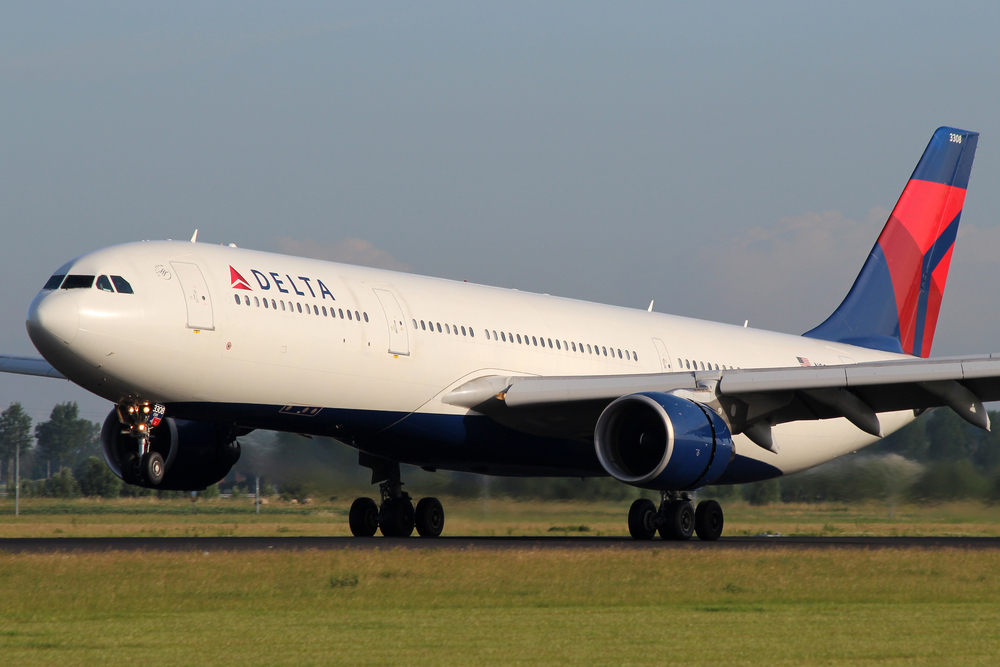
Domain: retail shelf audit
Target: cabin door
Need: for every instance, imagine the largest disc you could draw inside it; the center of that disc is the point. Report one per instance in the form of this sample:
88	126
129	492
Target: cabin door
196	296
399	342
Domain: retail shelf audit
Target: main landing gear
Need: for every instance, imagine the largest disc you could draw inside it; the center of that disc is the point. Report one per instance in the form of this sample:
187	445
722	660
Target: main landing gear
396	517
142	464
675	519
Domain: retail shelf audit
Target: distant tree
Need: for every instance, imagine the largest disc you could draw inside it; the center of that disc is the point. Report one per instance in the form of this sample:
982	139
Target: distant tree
96	479
762	493
131	491
15	433
62	485
211	491
66	437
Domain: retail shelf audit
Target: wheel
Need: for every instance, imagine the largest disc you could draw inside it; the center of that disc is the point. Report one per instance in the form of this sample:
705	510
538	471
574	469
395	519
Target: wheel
363	518
678	523
130	469
708	520
152	467
642	519
396	518
429	517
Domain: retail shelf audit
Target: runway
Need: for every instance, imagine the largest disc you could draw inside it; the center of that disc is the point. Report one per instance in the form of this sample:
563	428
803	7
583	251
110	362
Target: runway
208	544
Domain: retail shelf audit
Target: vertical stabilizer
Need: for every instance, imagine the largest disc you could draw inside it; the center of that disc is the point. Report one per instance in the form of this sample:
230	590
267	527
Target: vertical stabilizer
895	300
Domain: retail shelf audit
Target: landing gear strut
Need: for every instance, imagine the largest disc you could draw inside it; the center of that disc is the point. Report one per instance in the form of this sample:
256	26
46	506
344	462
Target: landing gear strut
675	519
395	517
142	465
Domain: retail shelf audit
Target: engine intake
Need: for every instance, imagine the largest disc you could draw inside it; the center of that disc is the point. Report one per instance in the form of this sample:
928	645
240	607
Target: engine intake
659	441
195	454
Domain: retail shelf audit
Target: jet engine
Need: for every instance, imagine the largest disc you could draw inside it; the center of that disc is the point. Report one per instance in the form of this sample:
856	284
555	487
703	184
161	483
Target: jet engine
195	454
663	442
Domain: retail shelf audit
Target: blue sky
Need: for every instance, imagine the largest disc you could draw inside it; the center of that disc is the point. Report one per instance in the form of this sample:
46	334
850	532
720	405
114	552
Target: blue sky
731	161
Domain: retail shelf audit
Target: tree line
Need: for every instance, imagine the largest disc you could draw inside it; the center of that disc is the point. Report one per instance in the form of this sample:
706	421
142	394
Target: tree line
937	457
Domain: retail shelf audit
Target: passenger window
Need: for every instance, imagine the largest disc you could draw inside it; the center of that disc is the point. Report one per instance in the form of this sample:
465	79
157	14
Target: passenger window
534	340
605	350
446	329
565	345
78	282
503	337
121	285
349	315
282	306
557	344
414	323
619	354
519	339
472	332
54	282
256	302
422	325
627	358
265	303
247	299
273	305
237	299
687	364
635	357
495	335
439	327
589	351
703	365
366	315
357	316
324	308
463	331
574	346
341	310
104	284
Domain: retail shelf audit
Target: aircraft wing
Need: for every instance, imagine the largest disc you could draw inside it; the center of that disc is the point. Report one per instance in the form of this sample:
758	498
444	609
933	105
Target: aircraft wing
28	366
750	400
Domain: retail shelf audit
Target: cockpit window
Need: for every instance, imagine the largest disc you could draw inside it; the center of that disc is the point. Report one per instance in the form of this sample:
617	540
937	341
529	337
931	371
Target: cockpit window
104	284
122	285
78	282
54	281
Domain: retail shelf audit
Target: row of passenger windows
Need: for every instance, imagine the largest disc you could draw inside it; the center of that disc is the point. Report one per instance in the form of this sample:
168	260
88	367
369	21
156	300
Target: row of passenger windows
105	284
688	364
534	341
298	307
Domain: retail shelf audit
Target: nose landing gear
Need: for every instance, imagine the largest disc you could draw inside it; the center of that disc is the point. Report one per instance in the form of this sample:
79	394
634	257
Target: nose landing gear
142	464
396	516
675	519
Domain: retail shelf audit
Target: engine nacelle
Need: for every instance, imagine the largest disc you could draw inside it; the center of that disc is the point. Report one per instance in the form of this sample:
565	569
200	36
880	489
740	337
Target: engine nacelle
659	441
195	454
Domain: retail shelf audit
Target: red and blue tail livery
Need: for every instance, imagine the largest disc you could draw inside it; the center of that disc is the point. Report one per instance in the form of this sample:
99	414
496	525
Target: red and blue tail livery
895	300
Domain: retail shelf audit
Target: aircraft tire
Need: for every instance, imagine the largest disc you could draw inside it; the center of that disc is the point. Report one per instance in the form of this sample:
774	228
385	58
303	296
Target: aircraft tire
429	517
363	518
153	468
130	469
708	521
396	519
642	519
679	521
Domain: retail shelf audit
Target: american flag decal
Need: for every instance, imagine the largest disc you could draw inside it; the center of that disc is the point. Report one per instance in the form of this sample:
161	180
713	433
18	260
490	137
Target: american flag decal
804	362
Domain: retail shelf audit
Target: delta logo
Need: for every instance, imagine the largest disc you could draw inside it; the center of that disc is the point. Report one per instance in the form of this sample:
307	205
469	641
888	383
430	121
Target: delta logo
266	281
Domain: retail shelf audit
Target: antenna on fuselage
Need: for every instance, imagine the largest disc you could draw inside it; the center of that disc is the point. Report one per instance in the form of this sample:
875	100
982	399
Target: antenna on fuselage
650	309
194	237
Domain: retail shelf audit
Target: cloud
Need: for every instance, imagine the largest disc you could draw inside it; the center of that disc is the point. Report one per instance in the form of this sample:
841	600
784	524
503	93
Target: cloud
347	251
792	275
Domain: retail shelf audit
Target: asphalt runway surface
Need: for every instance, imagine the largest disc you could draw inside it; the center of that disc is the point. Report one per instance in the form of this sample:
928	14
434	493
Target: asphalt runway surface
208	544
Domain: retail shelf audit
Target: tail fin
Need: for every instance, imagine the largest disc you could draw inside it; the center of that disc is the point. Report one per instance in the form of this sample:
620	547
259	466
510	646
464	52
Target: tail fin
895	300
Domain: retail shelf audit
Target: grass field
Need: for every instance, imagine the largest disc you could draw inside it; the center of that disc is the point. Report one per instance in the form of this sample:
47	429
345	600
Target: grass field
222	517
443	607
439	607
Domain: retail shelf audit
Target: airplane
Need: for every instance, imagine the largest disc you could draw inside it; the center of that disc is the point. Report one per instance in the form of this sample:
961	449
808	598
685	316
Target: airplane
199	344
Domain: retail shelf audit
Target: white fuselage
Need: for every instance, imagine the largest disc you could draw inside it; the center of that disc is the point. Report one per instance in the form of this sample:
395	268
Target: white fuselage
189	336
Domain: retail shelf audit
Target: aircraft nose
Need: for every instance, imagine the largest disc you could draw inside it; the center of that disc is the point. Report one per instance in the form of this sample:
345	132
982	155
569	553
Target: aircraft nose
53	316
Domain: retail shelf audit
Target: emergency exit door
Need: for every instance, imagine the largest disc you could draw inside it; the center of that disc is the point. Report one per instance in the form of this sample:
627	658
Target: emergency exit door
661	352
399	342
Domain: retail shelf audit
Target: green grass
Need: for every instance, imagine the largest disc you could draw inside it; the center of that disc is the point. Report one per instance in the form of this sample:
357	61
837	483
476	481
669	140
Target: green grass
440	607
43	517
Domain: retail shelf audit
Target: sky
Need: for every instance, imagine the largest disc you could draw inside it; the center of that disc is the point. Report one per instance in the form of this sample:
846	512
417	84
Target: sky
731	161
